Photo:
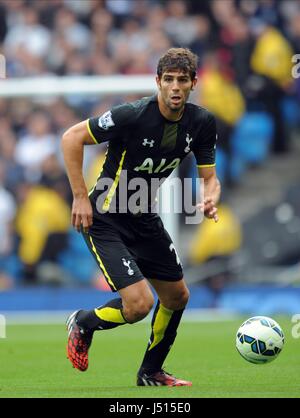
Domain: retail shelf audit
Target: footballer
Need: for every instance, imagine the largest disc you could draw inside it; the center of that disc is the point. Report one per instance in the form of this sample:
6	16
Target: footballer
146	139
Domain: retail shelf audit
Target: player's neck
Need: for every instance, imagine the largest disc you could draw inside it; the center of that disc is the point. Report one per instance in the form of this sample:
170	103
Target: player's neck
173	116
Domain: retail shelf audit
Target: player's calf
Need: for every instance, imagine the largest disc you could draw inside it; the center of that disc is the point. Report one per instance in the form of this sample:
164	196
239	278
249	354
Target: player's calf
137	301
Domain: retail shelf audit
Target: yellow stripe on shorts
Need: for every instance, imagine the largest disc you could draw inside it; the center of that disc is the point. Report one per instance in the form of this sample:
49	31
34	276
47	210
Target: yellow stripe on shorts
102	265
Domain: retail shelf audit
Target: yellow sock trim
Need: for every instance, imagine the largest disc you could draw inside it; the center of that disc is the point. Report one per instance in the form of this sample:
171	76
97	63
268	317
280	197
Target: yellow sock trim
161	322
110	315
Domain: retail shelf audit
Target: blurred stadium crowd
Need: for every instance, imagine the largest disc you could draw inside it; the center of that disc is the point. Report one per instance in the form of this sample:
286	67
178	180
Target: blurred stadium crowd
245	50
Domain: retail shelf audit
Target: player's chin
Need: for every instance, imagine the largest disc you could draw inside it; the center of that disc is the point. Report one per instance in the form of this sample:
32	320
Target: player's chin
176	107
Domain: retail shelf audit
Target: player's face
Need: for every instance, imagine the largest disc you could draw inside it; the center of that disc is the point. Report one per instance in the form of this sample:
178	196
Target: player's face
174	89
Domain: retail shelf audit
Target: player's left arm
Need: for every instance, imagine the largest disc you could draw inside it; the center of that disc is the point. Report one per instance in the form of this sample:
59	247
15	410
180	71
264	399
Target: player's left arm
205	153
212	192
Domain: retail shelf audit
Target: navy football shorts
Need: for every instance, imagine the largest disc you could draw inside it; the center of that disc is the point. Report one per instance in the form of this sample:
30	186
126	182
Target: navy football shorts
130	248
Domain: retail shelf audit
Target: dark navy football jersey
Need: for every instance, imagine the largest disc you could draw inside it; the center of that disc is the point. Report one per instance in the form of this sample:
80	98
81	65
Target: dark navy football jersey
144	144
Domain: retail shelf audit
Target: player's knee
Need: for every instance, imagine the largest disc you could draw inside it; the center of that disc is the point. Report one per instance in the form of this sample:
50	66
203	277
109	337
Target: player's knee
178	300
186	296
182	298
139	309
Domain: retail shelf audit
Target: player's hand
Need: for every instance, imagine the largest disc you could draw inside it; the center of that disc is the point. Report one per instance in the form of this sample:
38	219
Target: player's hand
82	213
209	209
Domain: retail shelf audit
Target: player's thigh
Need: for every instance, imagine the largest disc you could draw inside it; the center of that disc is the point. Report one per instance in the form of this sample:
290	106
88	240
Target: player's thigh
172	294
113	258
157	257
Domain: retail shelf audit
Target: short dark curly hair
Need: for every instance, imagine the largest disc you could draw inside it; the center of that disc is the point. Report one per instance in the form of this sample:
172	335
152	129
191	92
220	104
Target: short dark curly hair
182	59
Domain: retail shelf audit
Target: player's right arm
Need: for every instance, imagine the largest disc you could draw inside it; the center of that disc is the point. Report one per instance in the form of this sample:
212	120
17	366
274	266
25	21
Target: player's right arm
96	130
72	145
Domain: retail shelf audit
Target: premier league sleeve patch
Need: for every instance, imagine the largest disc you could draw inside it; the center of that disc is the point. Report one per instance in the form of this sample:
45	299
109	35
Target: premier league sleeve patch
106	121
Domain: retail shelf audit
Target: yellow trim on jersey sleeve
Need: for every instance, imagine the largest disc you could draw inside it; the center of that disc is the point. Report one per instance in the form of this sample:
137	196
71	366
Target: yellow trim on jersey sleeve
102	265
112	190
90	131
206	165
161	322
110	315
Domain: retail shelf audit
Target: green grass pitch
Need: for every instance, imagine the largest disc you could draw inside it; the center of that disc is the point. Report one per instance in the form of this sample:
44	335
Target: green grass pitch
33	364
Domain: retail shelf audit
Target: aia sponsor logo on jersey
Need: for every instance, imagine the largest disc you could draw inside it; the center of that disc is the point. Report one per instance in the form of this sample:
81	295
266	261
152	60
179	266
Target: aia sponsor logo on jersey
151	166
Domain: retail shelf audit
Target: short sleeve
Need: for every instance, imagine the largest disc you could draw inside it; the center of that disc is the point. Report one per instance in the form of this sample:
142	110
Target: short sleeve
205	145
111	124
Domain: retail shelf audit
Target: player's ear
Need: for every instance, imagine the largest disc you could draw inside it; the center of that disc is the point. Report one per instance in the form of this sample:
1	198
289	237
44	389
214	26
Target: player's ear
194	82
158	82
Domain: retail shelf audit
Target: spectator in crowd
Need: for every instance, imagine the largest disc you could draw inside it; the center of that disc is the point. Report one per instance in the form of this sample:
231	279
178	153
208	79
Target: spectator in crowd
242	44
29	34
271	61
220	94
74	32
43	216
36	145
13	171
294	32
